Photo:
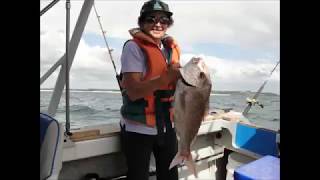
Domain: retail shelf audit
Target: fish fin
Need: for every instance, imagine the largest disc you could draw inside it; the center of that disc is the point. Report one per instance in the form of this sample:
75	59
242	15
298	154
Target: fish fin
178	159
191	166
206	117
193	141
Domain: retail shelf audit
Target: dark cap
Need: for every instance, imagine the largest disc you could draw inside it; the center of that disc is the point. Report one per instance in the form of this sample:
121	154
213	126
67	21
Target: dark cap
155	5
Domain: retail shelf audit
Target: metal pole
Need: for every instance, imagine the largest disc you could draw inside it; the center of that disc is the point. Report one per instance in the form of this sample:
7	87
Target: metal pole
67	66
73	45
44	10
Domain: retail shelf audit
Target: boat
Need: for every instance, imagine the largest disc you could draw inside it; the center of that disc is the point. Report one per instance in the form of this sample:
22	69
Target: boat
226	140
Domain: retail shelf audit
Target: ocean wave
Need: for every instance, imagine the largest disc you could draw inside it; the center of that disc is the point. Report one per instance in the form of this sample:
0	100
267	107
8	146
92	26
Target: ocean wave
103	106
83	109
214	94
115	110
86	91
97	91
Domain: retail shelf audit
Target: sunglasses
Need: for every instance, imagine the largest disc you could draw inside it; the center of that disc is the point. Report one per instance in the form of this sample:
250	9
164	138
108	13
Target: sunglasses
153	20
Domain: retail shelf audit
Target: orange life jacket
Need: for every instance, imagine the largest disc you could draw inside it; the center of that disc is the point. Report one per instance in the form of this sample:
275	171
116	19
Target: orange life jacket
157	106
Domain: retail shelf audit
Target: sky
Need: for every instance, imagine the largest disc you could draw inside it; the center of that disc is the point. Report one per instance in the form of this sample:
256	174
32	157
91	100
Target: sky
239	40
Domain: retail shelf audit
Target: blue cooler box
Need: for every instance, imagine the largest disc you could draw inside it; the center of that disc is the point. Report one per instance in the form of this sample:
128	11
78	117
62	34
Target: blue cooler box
265	168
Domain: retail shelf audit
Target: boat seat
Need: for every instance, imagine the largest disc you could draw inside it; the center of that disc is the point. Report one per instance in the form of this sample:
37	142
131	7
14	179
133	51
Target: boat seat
258	140
49	140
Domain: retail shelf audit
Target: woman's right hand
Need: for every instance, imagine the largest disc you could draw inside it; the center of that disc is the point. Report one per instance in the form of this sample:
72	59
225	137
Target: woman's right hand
172	74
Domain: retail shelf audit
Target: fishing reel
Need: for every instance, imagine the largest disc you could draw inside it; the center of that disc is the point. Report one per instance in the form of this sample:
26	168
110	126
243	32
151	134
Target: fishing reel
253	102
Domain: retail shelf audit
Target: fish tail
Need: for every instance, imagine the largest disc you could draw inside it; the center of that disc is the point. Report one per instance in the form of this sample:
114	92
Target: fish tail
178	159
191	166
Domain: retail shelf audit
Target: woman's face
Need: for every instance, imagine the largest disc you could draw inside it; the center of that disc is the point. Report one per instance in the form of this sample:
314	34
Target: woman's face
155	24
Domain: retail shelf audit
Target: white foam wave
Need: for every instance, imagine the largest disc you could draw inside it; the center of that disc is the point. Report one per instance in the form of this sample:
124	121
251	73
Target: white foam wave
213	94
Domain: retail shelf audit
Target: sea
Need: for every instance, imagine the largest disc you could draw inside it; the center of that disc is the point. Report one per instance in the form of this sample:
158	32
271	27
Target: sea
95	107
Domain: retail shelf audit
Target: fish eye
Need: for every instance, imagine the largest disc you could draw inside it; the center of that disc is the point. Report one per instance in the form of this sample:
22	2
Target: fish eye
195	60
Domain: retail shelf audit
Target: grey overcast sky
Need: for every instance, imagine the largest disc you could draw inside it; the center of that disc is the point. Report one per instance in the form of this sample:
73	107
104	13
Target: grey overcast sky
239	40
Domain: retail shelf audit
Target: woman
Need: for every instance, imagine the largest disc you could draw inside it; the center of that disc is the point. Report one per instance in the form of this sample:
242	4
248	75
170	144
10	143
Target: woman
150	62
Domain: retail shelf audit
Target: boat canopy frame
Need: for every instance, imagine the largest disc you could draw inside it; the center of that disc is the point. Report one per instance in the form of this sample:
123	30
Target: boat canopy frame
67	59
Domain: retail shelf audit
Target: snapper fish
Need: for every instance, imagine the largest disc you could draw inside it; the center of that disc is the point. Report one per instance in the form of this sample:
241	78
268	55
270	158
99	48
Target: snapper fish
191	105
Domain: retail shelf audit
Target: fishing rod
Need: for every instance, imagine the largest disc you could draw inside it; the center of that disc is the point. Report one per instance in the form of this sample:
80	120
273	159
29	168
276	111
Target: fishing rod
253	100
109	50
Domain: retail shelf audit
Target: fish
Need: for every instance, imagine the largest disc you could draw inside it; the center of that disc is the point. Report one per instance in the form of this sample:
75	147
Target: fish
190	106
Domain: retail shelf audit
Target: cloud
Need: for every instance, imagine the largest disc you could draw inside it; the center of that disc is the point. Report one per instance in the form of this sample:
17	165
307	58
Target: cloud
239	75
116	17
248	24
52	46
245	23
91	67
242	23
